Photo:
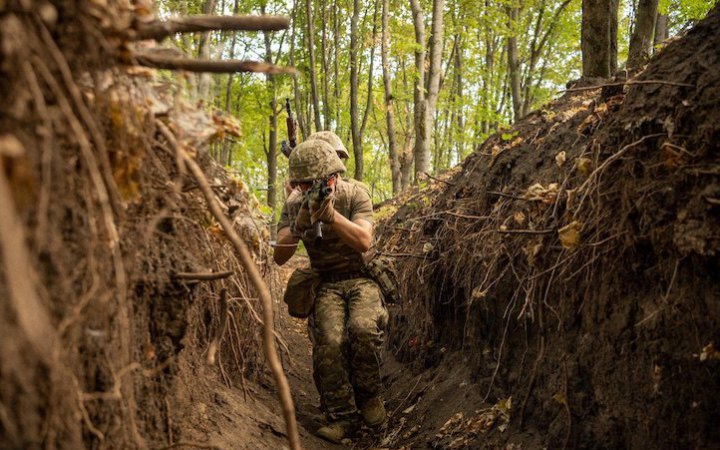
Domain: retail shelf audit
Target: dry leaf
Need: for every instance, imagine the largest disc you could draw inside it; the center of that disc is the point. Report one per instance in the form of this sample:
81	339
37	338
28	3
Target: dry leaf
538	192
560	158
519	217
709	352
570	235
584	166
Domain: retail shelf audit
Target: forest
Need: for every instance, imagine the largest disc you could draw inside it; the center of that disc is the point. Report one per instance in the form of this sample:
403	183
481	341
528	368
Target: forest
544	180
482	66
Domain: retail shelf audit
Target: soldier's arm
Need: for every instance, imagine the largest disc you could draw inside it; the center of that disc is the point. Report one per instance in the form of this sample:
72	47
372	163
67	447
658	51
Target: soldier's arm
285	247
357	234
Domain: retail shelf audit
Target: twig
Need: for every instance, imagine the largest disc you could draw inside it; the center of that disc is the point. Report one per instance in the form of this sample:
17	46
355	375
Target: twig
549	231
438	179
161	30
465	216
257	281
600	86
402	255
664	298
209	66
220	330
533	376
190	444
597	172
400	405
202	276
502	194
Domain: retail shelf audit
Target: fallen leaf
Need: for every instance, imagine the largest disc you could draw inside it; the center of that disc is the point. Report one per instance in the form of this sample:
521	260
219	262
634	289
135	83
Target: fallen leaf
584	166
519	217
410	409
570	235
560	158
709	352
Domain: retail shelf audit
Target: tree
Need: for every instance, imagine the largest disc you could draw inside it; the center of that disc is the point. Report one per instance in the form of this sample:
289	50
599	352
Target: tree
599	41
271	153
313	75
422	150
513	63
643	33
389	112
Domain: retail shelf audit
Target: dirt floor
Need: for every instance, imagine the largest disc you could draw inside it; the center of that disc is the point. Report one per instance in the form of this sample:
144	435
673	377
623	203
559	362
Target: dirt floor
247	416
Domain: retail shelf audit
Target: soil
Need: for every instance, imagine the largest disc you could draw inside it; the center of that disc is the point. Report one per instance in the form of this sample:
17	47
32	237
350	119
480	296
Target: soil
574	259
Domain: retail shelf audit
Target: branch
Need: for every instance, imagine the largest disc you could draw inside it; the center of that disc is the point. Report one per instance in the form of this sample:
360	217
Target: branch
438	179
525	231
257	281
207	65
161	30
207	276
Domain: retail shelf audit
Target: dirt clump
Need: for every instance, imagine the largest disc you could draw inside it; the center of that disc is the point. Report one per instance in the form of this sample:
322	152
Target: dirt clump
574	260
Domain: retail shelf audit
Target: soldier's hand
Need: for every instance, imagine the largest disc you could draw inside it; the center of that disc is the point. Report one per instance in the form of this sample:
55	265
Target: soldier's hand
303	220
324	210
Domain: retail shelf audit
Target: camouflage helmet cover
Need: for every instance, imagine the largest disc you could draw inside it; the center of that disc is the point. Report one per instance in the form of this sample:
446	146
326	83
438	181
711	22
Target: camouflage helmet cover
332	139
312	160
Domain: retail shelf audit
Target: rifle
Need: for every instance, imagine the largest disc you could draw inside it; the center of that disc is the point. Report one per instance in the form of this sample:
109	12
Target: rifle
324	188
285	147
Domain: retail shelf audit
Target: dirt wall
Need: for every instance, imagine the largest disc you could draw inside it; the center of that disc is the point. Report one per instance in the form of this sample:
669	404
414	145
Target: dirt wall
101	238
574	257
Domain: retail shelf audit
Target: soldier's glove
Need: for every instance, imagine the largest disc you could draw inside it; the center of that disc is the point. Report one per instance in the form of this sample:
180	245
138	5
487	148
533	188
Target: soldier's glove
303	220
324	210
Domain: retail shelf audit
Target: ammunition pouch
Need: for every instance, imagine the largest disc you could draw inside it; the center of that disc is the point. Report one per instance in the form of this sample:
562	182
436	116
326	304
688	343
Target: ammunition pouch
300	292
382	270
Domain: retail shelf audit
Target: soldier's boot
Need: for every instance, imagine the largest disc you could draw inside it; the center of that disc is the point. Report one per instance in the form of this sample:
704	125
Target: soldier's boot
373	412
336	431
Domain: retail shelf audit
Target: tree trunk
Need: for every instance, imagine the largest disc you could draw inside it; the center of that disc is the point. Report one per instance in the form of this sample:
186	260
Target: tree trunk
513	64
302	123
324	63
614	11
313	75
596	39
433	88
422	148
354	119
271	153
642	36
204	53
371	70
460	142
661	29
389	113
336	66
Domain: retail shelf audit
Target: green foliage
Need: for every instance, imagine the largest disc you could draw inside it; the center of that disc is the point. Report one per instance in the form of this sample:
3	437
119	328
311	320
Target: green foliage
474	99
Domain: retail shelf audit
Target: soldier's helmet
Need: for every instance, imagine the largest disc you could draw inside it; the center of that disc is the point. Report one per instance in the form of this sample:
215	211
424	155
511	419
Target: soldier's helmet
332	139
313	160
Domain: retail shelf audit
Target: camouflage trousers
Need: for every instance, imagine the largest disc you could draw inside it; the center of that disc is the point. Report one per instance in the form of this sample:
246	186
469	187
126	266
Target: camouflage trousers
347	333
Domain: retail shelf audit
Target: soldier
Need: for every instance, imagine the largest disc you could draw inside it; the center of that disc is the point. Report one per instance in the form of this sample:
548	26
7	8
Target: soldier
348	318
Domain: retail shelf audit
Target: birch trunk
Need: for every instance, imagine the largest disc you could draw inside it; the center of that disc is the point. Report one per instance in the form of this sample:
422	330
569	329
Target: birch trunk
389	112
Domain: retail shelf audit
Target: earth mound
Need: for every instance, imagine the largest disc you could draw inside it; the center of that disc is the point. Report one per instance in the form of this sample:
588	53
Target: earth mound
574	259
